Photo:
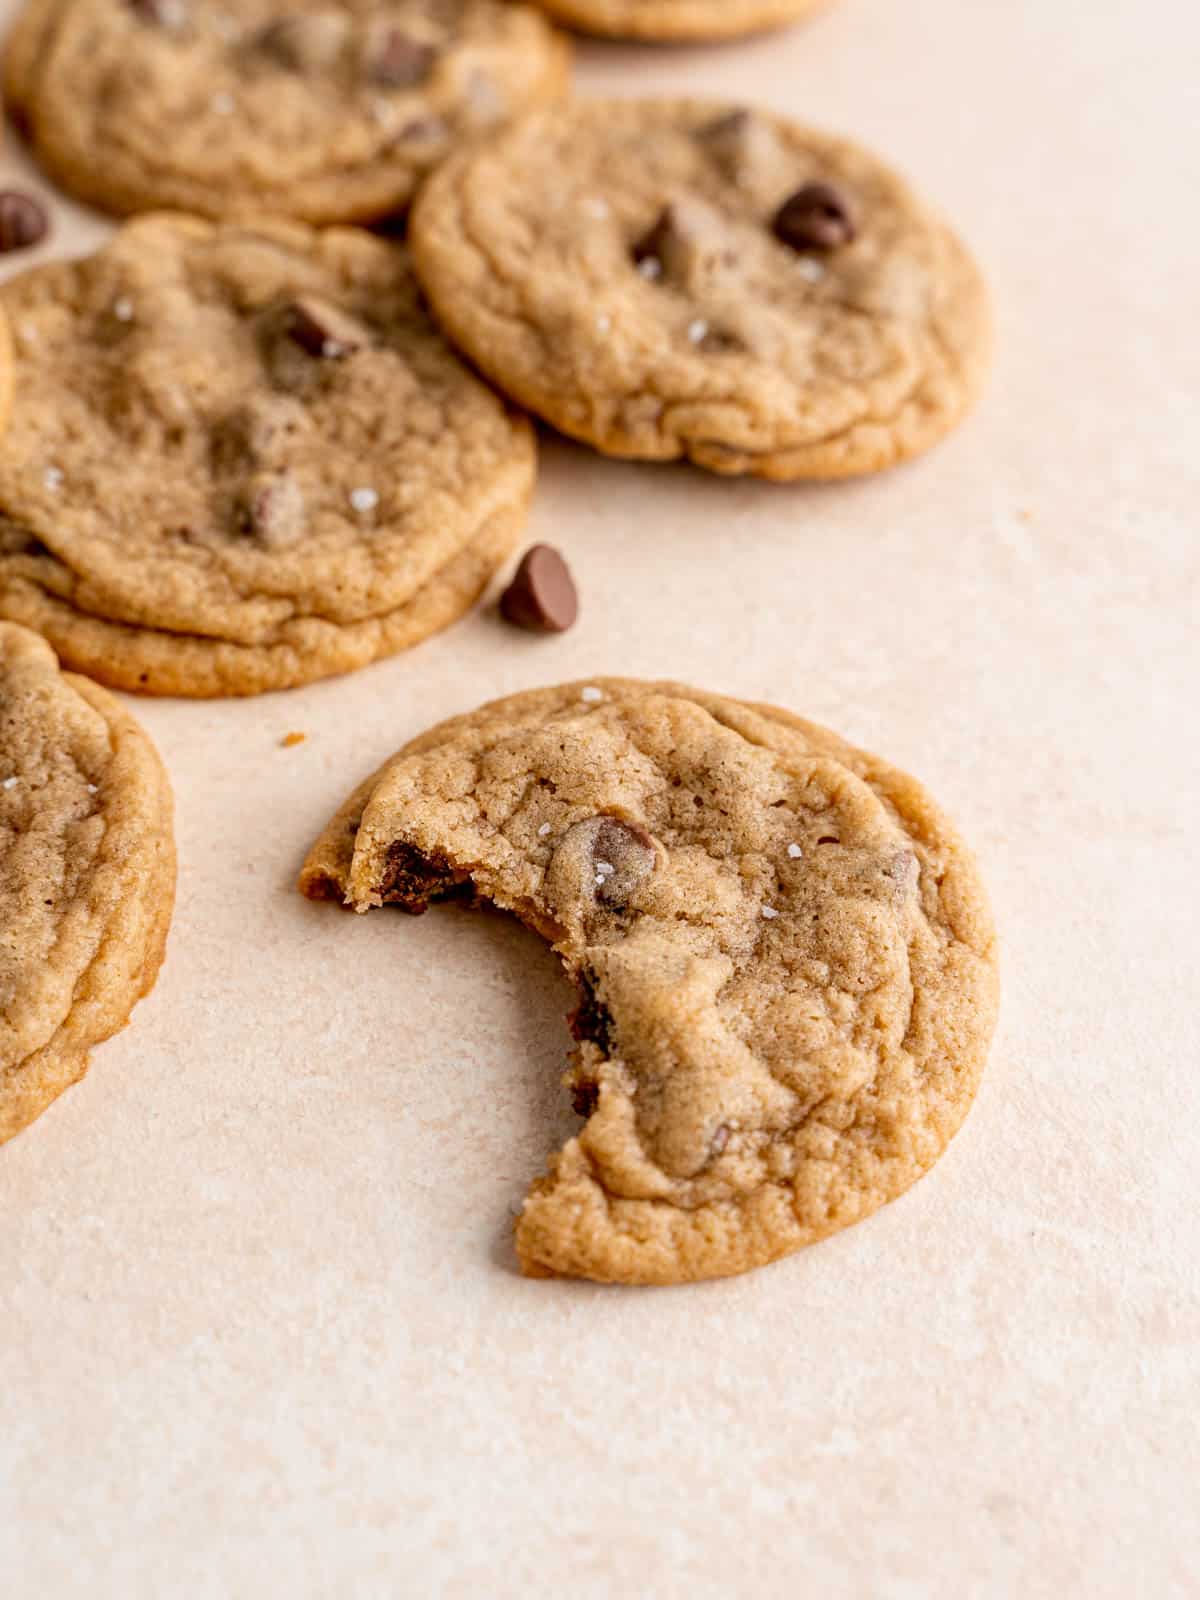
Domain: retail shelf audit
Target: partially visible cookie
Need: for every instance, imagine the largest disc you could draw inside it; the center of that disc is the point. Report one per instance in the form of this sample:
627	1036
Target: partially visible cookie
243	458
327	113
784	956
679	278
668	20
87	873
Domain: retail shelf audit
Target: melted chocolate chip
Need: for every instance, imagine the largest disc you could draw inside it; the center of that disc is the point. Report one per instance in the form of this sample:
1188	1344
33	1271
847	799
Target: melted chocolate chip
687	237
816	217
273	510
542	597
322	330
398	61
413	880
585	1097
160	13
591	1022
24	220
623	857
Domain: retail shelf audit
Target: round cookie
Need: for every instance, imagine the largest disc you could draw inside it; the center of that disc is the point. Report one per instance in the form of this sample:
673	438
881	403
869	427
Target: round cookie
242	458
326	113
87	873
678	278
785	960
668	20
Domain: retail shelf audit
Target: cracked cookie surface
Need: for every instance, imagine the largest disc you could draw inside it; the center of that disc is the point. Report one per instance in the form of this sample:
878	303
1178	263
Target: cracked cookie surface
326	113
645	276
243	458
784	955
87	873
677	19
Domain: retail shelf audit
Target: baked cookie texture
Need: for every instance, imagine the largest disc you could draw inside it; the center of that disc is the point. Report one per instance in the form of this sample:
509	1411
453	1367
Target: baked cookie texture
87	873
668	20
243	458
618	268
325	113
785	960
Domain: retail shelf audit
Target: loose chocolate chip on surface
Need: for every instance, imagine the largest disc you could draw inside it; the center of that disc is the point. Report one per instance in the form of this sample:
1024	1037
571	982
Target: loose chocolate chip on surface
23	220
321	329
398	61
542	597
816	217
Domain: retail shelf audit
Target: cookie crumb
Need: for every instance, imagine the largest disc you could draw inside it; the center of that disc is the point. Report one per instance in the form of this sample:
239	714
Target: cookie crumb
795	852
363	500
591	695
290	739
770	913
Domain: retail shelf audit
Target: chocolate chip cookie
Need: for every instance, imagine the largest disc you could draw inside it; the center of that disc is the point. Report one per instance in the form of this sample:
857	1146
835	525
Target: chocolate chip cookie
243	458
676	19
785	962
676	278
87	873
326	113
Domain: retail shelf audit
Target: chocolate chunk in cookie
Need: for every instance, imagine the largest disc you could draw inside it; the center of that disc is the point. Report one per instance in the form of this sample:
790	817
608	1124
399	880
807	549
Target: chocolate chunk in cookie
817	217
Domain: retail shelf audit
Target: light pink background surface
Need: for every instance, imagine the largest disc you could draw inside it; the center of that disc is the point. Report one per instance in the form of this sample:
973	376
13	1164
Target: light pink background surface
260	1327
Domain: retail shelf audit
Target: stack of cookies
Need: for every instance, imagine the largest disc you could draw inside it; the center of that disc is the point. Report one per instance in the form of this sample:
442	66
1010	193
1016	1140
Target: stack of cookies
278	428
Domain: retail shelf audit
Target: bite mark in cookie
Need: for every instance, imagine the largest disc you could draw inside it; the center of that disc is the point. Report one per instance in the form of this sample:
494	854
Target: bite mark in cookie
783	958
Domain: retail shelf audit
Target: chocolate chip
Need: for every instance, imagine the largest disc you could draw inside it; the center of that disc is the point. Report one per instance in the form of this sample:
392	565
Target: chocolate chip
541	598
273	510
816	217
687	237
585	1097
322	330
161	13
623	857
398	61
591	1021
305	43
412	880
23	220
